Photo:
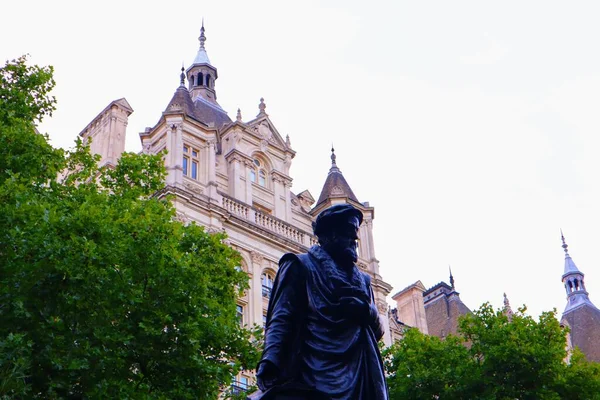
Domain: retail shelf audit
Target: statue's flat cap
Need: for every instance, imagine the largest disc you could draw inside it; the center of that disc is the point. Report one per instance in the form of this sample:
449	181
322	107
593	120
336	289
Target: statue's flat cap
334	215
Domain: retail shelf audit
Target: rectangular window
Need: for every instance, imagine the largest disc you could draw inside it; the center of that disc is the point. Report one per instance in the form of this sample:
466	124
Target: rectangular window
185	165
191	162
194	169
240	314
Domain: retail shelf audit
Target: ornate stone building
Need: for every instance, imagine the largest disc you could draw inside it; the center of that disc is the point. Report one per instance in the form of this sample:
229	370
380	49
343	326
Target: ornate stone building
580	315
233	176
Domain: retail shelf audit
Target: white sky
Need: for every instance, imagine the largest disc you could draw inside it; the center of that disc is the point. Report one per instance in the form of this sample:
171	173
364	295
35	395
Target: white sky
472	127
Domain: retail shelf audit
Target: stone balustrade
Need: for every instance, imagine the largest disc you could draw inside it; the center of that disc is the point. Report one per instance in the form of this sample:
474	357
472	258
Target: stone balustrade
269	222
235	207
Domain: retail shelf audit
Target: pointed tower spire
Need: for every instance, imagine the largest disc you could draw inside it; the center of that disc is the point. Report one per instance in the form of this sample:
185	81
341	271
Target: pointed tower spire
182	77
573	279
202	74
335	185
451	277
569	263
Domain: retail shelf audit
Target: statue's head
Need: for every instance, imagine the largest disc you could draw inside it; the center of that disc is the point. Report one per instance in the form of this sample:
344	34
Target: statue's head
337	230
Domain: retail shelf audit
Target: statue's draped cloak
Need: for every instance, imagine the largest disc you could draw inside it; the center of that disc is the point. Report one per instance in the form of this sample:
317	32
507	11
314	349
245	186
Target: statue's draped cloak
314	340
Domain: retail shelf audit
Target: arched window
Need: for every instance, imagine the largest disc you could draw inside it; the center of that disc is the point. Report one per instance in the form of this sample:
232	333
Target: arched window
262	178
200	79
259	171
208	80
267	284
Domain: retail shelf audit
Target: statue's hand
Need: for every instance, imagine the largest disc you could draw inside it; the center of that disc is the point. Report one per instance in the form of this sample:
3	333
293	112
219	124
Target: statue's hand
355	309
267	375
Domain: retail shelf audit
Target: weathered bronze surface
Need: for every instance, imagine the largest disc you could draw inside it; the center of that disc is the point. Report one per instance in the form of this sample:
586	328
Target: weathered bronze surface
322	323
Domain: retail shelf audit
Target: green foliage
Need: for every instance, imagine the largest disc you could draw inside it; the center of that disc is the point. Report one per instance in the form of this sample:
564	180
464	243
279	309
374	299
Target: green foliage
495	357
24	101
102	293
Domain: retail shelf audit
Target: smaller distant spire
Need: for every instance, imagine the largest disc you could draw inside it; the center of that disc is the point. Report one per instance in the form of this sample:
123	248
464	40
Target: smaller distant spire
507	308
182	77
238	117
261	107
451	277
202	37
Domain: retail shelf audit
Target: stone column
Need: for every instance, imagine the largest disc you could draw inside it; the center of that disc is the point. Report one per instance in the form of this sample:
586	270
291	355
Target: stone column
248	164
278	190
256	307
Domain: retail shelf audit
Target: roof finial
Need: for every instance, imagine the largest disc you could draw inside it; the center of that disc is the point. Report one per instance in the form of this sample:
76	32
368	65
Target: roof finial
333	157
202	37
182	76
288	143
238	117
564	245
451	277
261	107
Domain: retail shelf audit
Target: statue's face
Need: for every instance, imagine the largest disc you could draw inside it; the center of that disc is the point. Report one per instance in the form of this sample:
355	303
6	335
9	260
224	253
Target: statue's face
342	243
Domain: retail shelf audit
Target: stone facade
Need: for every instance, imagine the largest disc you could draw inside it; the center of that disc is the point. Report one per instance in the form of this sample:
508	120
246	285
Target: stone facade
232	176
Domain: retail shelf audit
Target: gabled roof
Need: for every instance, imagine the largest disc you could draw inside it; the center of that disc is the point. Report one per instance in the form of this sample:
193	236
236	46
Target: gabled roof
335	184
417	285
122	102
201	110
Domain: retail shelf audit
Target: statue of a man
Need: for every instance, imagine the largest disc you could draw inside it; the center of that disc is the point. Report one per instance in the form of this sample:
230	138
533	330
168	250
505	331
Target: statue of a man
322	323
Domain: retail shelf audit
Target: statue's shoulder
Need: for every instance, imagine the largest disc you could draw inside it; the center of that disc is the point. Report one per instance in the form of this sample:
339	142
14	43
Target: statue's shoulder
300	262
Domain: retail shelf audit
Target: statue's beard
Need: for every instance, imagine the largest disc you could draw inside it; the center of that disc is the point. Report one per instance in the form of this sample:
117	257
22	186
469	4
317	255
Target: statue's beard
344	257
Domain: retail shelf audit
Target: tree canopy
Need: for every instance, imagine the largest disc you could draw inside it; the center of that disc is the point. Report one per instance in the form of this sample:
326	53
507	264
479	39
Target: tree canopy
496	356
102	293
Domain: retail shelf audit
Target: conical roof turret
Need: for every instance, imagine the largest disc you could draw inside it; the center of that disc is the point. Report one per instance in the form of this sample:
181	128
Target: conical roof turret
335	185
573	279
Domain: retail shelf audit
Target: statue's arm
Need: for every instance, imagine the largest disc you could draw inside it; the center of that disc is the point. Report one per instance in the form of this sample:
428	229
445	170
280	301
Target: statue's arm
374	320
285	306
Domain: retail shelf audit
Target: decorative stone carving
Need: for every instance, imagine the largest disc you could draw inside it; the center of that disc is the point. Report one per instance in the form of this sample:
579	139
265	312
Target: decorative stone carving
263	145
382	307
336	190
193	188
257	258
182	217
264	131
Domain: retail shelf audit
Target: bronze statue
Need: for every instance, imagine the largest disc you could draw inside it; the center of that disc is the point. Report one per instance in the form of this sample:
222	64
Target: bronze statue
322	324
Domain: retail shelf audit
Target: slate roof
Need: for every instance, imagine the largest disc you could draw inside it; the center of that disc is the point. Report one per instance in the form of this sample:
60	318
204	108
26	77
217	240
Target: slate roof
201	110
336	186
584	323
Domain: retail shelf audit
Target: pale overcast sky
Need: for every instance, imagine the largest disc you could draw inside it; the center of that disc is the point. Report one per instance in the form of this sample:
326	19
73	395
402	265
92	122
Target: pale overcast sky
471	127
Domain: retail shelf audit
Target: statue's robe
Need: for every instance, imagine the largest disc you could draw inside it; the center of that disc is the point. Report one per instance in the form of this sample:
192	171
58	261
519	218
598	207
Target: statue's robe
314	340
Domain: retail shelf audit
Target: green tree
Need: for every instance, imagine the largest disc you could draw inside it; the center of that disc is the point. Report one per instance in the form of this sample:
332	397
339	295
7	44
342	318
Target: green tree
495	357
102	293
